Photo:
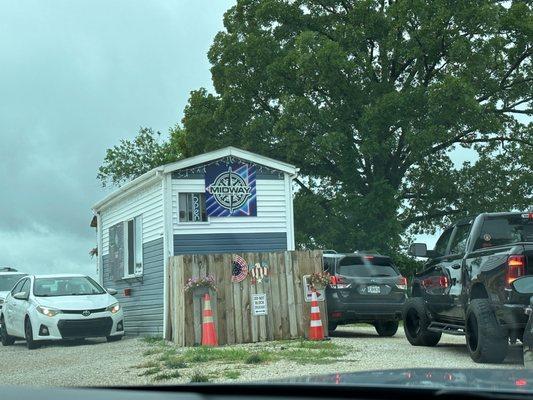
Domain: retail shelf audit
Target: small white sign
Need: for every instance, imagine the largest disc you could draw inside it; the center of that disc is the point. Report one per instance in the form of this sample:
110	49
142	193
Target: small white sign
259	304
308	292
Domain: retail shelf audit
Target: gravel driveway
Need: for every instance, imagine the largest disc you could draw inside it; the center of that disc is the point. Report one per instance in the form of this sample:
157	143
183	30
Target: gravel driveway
100	363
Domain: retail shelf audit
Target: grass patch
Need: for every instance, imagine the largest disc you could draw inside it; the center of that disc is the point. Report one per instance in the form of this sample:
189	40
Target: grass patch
209	354
154	340
147	364
257	358
315	345
198	377
167	355
167	375
151	371
174	363
232	374
152	351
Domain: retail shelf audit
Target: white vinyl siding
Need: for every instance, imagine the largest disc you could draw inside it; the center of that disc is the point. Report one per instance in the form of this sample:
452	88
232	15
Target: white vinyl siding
271	210
146	203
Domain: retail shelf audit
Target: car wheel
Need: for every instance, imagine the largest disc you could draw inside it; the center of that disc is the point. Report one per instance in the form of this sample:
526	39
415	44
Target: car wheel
386	328
416	322
331	327
4	337
486	341
113	338
28	334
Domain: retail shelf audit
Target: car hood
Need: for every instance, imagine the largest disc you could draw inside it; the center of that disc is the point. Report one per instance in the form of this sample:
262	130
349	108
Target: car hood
470	379
3	294
89	302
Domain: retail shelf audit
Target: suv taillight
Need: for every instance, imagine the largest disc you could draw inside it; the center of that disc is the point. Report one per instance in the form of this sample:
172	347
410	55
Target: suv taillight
337	282
516	267
402	283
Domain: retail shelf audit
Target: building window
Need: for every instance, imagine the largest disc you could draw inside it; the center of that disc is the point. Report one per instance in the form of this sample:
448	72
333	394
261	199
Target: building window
192	207
133	253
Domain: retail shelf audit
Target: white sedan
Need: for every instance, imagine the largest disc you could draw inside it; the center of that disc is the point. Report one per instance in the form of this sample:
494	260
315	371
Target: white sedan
55	307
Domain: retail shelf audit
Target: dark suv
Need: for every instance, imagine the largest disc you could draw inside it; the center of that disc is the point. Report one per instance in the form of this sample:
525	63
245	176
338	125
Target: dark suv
364	288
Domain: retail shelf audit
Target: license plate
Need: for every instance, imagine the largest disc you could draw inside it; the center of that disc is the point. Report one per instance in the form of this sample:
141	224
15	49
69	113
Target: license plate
373	289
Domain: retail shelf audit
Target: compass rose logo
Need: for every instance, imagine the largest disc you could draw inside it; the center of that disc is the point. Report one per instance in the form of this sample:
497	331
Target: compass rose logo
230	190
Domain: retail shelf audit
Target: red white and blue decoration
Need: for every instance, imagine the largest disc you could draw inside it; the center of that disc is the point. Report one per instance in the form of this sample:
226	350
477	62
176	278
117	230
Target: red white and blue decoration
239	269
230	190
258	273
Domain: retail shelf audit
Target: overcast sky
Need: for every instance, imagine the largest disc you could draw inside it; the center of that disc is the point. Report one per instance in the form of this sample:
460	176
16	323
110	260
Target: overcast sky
75	78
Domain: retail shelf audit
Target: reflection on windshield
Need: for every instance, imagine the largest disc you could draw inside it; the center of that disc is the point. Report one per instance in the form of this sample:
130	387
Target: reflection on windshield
76	286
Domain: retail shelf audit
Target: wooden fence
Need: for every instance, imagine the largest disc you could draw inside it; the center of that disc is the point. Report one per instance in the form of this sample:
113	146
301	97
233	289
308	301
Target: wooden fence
287	312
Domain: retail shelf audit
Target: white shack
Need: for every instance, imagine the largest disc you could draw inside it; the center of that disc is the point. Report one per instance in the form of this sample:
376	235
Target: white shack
228	200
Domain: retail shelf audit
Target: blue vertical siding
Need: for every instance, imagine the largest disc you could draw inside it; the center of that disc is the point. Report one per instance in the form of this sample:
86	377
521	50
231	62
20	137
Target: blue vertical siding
229	242
143	310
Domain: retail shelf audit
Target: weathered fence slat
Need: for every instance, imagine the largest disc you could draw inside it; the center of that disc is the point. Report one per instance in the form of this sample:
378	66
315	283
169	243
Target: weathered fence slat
287	311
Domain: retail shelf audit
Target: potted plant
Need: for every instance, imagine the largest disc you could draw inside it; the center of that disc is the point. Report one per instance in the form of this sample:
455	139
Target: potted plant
319	280
201	285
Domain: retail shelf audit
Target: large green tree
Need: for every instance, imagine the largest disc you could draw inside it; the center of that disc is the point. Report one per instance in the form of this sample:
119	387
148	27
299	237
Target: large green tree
369	99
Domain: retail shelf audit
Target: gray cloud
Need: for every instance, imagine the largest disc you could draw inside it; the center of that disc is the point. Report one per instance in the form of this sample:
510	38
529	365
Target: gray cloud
75	78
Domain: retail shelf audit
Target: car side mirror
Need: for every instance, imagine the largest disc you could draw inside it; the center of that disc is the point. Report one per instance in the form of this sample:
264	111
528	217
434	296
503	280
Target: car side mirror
418	250
20	296
112	292
523	285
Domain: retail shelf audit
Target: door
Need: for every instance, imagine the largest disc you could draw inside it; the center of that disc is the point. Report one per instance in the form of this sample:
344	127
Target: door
452	264
10	307
19	309
433	280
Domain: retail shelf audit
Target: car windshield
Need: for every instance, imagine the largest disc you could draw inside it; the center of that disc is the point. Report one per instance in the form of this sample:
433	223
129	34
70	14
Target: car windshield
365	267
8	281
68	286
249	191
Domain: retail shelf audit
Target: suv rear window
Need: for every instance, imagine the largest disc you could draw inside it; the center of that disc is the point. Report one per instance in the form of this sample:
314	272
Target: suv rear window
8	281
499	231
366	267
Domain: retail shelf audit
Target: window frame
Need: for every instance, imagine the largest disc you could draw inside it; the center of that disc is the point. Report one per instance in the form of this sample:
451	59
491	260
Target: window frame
206	222
137	221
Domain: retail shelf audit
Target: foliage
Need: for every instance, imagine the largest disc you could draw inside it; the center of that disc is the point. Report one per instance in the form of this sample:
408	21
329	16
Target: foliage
132	158
320	279
407	265
369	99
204	281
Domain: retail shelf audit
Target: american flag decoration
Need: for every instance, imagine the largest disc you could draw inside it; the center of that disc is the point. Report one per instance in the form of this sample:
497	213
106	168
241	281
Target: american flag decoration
239	270
258	272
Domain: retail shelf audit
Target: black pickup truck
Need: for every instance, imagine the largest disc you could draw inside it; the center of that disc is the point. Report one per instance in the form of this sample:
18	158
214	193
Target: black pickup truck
465	287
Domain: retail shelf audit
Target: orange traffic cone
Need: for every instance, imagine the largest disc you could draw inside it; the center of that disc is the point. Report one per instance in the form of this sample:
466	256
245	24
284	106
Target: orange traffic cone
209	334
316	331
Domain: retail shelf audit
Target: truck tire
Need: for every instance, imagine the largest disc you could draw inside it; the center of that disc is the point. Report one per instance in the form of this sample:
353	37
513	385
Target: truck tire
486	341
386	328
416	322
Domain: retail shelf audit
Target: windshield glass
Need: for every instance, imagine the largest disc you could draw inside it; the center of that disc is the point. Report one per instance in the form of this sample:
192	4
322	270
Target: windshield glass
70	286
8	281
230	191
502	230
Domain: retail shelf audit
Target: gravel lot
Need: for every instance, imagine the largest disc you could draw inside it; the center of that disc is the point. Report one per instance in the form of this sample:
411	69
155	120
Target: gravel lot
99	363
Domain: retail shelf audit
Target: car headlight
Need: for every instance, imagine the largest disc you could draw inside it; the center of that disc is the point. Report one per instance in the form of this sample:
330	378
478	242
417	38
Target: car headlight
49	312
114	308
